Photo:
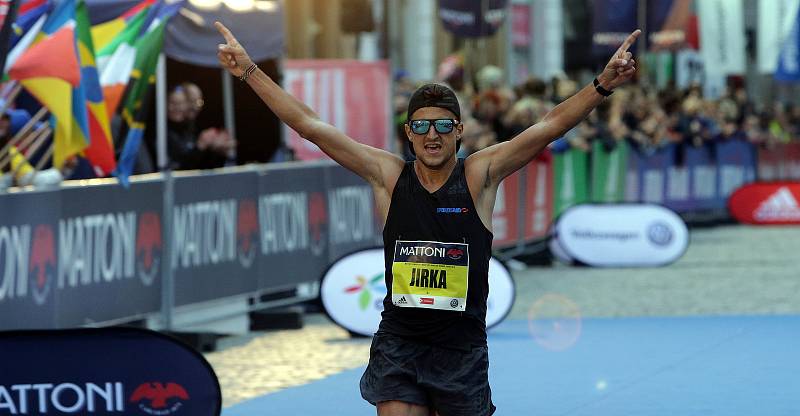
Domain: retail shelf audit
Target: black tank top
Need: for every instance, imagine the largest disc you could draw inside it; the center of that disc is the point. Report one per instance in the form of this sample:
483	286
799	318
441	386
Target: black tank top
437	219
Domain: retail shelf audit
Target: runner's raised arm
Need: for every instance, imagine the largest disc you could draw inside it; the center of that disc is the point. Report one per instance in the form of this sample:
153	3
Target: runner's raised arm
503	159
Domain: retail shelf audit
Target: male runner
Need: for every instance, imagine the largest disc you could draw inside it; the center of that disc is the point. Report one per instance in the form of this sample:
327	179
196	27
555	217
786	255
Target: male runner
429	355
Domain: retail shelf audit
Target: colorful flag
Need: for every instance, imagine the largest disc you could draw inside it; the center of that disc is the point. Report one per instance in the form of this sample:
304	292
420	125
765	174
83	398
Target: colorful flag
49	70
100	152
29	12
148	48
115	61
104	33
8	12
25	40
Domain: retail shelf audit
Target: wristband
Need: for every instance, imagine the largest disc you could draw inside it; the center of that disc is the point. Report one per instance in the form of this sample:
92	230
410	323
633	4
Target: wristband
600	90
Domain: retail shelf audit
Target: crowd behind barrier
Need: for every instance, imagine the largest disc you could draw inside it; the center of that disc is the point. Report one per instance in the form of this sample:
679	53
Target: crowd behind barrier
93	253
646	117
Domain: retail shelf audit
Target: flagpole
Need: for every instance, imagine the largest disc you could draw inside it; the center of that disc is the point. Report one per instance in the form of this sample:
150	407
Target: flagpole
227	102
12	95
20	144
39	137
161	113
47	155
20	134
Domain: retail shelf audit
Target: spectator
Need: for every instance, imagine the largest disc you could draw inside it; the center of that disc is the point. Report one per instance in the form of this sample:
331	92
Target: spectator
211	148
529	109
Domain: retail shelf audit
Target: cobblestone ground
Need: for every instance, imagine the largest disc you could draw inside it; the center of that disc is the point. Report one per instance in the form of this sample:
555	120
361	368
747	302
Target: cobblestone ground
272	361
728	270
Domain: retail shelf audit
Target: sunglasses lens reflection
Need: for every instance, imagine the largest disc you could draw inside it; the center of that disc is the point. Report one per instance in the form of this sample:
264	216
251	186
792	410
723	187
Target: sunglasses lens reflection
443	126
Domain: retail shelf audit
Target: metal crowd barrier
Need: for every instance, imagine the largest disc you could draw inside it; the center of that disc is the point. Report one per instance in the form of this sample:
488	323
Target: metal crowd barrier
185	249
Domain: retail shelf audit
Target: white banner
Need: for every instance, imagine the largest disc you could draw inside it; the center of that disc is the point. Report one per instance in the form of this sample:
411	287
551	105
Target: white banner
689	68
353	290
619	235
775	19
548	38
722	41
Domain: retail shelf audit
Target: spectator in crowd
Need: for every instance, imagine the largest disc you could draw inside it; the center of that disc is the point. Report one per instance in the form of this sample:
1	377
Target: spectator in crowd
531	107
477	136
492	101
188	149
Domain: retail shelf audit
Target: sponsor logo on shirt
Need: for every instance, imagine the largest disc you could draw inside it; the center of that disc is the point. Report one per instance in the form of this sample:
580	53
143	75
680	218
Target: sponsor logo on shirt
452	210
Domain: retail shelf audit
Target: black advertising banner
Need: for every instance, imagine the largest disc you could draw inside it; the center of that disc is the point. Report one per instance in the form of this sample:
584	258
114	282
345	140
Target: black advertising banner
109	371
612	22
109	250
293	226
28	259
471	18
214	230
353	222
668	23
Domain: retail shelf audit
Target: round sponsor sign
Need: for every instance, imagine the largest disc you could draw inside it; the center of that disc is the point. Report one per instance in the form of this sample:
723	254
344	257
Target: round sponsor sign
353	289
619	235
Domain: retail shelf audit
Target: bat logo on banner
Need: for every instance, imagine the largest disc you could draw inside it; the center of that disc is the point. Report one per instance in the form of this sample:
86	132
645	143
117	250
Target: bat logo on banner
247	232
317	221
42	262
148	246
159	396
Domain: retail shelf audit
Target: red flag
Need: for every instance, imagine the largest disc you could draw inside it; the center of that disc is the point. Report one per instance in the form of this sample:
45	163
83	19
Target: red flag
53	57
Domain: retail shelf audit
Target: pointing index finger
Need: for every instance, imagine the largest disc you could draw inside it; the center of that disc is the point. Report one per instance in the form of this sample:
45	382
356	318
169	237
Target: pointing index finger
629	41
229	38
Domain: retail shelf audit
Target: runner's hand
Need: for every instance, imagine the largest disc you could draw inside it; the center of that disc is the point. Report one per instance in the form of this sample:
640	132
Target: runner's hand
232	55
622	66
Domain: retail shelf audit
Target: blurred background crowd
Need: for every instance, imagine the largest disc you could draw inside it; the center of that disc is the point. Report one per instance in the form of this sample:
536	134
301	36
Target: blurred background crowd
645	117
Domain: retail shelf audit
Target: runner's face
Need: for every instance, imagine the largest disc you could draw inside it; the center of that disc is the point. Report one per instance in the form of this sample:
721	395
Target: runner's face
434	149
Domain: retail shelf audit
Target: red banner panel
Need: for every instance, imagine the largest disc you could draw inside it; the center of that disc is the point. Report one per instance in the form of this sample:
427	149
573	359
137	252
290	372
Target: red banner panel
766	203
538	198
505	218
781	162
350	95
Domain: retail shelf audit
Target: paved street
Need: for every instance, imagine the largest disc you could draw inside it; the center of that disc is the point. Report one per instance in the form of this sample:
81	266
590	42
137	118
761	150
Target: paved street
728	270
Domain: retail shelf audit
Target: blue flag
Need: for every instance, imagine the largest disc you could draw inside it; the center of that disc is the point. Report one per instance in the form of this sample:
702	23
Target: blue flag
136	103
789	58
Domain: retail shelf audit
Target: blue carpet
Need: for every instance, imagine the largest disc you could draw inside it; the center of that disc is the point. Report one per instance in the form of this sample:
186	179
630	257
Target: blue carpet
632	366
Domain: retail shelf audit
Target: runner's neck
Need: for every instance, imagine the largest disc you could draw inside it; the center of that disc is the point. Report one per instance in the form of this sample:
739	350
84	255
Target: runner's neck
434	179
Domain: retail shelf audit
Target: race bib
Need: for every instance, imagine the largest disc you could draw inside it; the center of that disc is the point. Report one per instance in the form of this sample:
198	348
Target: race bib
429	274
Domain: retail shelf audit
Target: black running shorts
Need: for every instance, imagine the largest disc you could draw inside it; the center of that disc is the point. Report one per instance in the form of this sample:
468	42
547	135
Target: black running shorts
453	382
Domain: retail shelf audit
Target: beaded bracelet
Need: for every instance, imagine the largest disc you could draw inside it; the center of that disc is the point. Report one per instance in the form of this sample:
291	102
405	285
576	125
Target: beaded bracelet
248	72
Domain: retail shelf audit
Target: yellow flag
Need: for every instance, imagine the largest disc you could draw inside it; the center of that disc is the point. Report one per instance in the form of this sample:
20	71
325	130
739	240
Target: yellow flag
56	95
19	165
